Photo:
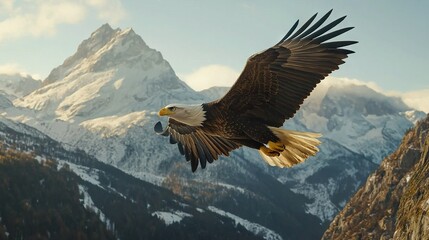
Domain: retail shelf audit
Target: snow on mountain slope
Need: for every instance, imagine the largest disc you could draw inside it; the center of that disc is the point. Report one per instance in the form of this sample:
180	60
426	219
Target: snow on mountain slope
171	217
86	49
17	85
257	229
115	125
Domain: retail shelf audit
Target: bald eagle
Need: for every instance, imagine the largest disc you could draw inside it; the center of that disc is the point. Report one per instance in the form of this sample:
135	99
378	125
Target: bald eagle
271	88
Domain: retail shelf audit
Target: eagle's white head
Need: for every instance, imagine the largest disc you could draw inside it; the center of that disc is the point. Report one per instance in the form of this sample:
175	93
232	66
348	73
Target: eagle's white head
192	115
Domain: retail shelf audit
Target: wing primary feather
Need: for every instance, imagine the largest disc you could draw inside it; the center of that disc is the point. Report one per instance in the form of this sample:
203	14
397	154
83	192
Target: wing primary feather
217	146
172	140
180	147
194	163
316	25
201	154
206	148
187	155
304	26
181	139
214	147
158	129
193	148
210	154
338	44
193	153
207	153
344	51
210	148
289	33
221	147
332	34
199	147
325	28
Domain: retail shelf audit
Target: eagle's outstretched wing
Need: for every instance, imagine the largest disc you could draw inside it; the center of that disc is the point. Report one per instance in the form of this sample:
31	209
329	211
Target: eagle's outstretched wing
275	82
195	144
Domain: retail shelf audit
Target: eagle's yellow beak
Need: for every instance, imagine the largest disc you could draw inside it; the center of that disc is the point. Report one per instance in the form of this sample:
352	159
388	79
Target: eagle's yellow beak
165	112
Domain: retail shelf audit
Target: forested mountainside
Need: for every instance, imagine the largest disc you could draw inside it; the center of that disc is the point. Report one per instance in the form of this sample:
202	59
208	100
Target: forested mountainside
48	191
38	201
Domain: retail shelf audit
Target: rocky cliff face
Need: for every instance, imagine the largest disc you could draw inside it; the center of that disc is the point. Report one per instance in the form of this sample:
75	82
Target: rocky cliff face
394	202
413	217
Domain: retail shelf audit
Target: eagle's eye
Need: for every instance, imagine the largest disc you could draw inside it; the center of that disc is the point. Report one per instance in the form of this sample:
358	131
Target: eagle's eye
172	108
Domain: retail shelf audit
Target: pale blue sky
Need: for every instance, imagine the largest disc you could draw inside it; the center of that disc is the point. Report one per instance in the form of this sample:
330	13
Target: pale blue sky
36	36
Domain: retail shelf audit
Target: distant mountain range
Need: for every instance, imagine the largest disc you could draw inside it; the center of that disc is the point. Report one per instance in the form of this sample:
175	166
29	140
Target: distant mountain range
103	100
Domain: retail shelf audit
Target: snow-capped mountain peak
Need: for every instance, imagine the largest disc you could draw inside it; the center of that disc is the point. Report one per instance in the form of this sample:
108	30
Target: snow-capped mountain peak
87	48
91	52
113	72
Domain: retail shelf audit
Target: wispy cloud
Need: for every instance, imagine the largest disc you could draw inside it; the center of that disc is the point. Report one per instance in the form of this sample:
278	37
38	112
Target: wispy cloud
37	18
12	69
209	76
417	99
339	81
6	6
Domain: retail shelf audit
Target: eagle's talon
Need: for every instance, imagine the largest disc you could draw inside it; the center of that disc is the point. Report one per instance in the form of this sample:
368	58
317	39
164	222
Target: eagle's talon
276	146
269	152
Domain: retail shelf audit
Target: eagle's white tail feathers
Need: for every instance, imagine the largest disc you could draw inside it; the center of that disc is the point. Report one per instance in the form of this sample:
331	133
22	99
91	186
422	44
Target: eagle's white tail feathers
298	147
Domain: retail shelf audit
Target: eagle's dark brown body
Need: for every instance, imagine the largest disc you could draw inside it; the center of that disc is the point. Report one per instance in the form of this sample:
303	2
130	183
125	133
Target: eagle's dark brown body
243	130
271	88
